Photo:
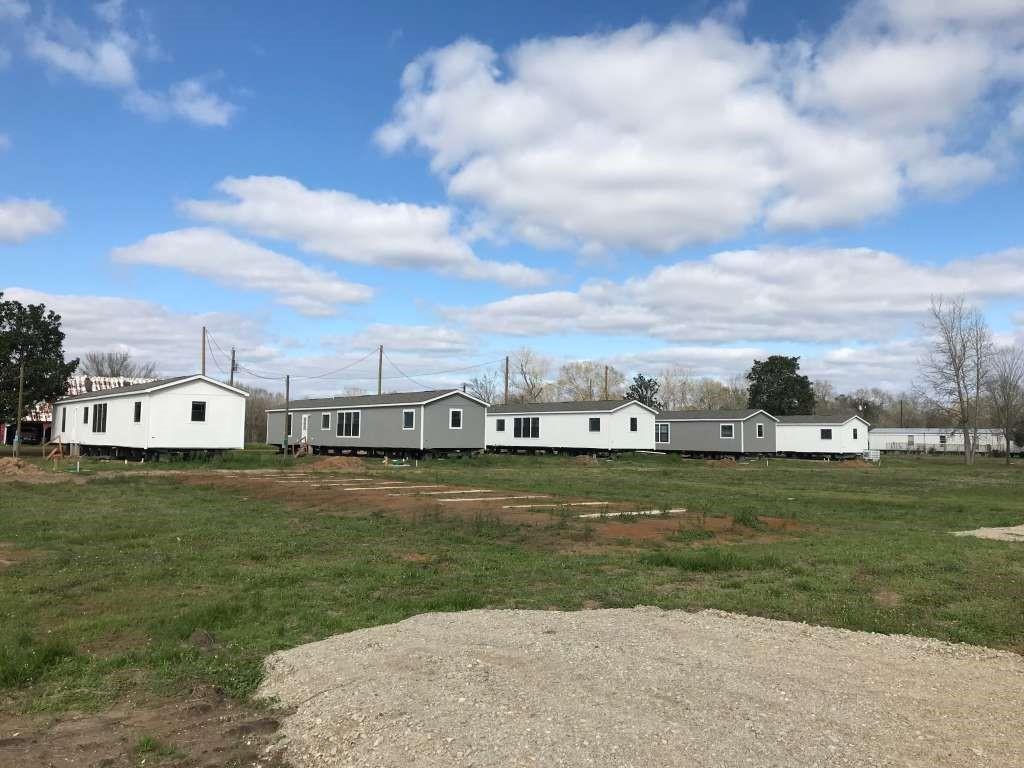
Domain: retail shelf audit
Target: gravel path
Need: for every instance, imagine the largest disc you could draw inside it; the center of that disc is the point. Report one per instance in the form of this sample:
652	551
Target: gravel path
644	687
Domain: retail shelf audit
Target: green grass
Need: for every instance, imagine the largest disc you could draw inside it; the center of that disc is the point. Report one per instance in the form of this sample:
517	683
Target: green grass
124	573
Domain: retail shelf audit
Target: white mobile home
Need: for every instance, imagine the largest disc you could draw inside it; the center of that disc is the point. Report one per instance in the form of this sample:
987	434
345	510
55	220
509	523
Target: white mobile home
822	435
935	440
396	423
584	426
185	414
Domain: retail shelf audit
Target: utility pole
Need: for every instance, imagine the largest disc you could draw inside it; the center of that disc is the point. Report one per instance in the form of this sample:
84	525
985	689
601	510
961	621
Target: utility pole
21	406
287	408
202	357
506	379
606	382
380	369
234	367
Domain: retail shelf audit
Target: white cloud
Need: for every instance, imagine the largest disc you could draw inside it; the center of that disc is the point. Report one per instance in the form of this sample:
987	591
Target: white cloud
655	138
22	219
427	340
770	294
218	256
189	99
352	229
107	58
14	9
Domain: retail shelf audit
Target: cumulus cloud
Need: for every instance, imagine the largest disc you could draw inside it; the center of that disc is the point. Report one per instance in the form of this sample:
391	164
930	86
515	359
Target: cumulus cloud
21	219
14	9
768	294
430	340
107	57
230	261
352	229
654	138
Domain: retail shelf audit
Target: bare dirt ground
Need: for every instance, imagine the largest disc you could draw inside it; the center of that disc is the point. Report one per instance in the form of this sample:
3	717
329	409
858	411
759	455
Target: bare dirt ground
643	687
207	730
1011	533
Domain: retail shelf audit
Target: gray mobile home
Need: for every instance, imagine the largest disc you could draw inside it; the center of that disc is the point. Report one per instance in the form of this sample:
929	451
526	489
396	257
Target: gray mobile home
397	423
715	432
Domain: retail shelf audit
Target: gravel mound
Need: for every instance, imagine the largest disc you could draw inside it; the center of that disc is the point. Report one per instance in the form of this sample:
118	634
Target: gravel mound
643	687
1011	533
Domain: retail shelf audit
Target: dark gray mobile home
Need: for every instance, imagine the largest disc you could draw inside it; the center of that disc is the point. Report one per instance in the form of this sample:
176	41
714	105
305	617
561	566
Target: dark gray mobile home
715	432
397	423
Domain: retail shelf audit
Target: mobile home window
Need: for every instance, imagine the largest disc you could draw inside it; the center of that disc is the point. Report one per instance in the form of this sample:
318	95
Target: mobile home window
526	426
198	410
633	426
942	440
826	434
725	431
99	417
63	419
499	425
348	423
760	430
854	433
910	441
409	419
137	413
661	433
455	418
85	415
325	421
595	424
289	425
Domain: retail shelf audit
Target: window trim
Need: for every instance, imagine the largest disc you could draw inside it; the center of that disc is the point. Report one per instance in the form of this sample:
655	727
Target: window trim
357	420
461	418
99	418
855	434
85	415
527	422
194	420
137	412
822	431
759	430
732	431
499	425
413	412
634	424
668	432
328	415
591	422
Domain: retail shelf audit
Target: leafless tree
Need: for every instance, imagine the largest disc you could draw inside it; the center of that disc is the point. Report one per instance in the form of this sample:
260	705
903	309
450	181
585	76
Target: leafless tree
485	386
676	388
585	380
712	394
530	372
116	364
256	412
1006	391
954	371
824	396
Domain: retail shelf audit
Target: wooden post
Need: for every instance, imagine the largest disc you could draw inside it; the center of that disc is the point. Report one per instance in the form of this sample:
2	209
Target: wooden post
380	369
287	408
233	367
202	356
21	408
606	382
506	379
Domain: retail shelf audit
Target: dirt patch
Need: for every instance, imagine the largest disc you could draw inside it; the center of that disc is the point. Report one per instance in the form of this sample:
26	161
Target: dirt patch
204	730
1011	533
340	463
728	463
888	599
12	469
11	555
857	464
643	687
588	461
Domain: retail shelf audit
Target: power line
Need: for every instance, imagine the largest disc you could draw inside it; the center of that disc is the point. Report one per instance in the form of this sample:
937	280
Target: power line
404	374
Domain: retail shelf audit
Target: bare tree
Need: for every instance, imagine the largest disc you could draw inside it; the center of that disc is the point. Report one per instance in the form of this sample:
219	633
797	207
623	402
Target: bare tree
256	405
585	380
824	396
530	373
1006	391
116	364
677	388
484	386
954	372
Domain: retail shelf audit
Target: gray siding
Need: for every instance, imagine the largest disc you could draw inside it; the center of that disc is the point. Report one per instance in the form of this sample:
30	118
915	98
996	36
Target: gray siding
439	435
704	436
381	427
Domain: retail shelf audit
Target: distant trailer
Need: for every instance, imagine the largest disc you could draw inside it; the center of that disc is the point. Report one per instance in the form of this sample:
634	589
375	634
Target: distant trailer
822	436
185	416
588	426
716	432
937	440
427	424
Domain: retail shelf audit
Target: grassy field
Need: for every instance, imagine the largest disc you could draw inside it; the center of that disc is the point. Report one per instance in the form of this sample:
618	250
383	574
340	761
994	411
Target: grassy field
140	585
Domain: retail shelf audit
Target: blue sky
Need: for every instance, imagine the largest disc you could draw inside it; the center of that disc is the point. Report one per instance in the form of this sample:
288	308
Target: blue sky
652	185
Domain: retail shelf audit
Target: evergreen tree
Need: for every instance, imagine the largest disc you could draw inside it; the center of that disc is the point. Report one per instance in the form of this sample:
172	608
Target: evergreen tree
777	387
